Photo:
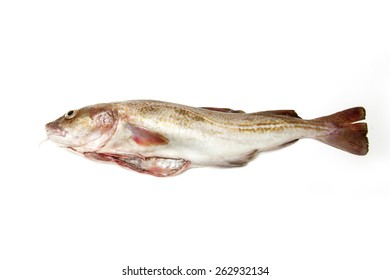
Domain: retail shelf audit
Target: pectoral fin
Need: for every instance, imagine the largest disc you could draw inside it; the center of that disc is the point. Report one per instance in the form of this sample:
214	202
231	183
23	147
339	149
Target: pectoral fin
146	137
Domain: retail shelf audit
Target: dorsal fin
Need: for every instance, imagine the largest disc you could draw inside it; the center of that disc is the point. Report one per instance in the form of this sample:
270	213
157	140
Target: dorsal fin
224	110
288	113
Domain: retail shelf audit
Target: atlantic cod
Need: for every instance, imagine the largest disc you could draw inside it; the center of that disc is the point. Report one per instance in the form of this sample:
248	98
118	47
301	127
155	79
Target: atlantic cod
165	139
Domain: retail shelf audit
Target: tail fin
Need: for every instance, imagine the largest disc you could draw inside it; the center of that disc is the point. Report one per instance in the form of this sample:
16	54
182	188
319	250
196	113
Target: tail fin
345	133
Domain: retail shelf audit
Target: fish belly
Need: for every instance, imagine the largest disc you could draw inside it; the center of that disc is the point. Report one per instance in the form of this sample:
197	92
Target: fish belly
226	149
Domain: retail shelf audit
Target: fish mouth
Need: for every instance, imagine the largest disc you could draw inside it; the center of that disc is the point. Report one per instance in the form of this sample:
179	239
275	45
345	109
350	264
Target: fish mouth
52	129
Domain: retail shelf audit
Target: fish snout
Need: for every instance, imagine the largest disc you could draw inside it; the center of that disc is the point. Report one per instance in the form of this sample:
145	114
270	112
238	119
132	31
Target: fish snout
52	128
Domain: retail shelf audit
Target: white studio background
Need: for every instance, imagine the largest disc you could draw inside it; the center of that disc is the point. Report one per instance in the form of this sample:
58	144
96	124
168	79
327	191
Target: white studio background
307	212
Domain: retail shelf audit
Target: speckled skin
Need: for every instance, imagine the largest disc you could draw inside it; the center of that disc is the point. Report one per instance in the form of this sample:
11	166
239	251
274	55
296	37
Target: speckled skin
205	137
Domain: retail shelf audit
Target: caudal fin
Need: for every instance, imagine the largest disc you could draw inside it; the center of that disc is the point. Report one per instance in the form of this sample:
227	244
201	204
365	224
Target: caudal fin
345	133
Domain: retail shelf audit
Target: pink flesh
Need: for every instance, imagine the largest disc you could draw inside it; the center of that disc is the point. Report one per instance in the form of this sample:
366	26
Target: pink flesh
160	167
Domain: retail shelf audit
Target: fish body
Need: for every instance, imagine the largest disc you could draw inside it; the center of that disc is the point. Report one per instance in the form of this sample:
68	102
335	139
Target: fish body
164	139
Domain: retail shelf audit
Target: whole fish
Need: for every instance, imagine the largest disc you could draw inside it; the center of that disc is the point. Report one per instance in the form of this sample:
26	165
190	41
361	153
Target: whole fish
164	139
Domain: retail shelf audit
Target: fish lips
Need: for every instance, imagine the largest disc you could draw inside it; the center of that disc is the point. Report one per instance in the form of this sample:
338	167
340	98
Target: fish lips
53	129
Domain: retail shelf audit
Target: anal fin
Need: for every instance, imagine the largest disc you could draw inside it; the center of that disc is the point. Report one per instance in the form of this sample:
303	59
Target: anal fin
239	161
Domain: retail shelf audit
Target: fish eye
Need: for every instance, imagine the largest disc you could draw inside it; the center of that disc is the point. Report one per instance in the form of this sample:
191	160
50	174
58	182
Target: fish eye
70	114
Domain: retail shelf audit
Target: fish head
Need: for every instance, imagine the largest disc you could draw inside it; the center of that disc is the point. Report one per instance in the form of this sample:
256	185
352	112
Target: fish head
86	129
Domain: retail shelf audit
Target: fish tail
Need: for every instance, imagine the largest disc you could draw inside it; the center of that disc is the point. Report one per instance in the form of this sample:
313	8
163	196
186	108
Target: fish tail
345	132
